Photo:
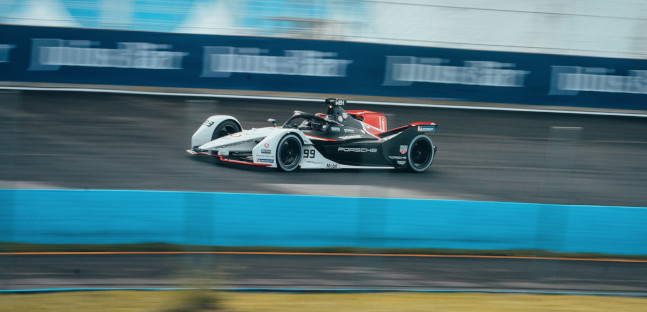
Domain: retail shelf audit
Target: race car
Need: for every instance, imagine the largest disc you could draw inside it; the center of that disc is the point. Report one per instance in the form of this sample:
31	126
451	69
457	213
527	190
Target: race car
338	139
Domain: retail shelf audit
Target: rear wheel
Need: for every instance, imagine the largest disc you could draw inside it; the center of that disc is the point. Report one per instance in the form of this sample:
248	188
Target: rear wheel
288	155
226	127
420	153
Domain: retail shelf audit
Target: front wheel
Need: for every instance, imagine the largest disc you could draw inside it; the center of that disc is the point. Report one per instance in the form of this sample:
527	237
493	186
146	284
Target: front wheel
420	154
288	155
226	127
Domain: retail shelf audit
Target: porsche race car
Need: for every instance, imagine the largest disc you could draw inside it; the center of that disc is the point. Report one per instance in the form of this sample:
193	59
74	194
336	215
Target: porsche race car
338	139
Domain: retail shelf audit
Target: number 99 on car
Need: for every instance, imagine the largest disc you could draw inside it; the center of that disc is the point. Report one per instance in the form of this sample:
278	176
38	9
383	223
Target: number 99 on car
309	153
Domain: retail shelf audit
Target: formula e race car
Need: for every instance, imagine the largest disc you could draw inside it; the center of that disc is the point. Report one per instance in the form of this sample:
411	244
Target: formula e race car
339	139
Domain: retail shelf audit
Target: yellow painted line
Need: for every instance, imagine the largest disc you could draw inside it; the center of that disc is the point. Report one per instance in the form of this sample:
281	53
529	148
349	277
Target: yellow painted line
274	253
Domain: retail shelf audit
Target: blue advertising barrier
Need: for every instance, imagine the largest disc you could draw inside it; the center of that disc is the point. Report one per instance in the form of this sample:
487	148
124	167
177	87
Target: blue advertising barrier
132	58
228	219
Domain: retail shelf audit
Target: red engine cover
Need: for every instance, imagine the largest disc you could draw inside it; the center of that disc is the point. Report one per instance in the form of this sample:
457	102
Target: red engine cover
375	120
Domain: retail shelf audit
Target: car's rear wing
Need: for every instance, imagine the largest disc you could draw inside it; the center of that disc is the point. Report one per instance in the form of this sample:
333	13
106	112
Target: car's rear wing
422	127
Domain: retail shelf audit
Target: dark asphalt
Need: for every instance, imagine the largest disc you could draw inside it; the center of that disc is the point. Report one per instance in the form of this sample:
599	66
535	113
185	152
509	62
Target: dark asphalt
318	272
89	141
103	141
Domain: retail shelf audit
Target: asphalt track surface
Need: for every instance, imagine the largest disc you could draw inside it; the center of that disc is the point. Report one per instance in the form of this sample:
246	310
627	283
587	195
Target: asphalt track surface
102	141
68	140
303	272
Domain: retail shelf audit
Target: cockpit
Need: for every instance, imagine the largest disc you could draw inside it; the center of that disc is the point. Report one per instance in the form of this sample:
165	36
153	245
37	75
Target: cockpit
335	115
306	121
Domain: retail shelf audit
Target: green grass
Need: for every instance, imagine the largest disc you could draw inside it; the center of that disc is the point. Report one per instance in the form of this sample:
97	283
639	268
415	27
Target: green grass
160	247
175	301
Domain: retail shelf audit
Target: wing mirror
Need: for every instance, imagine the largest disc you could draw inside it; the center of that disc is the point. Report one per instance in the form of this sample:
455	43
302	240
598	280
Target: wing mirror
272	121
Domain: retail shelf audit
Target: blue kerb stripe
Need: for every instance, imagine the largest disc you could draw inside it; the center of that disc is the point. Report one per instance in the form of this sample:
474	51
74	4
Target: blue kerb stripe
331	290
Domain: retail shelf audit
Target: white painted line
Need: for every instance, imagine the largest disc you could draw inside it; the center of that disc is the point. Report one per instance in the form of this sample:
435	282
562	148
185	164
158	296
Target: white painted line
300	99
205	95
508	109
566	128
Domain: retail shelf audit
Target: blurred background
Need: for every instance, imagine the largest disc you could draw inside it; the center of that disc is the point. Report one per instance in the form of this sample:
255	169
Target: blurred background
541	142
591	28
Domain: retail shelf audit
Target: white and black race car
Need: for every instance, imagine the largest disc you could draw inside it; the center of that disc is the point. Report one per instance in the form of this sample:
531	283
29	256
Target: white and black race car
339	139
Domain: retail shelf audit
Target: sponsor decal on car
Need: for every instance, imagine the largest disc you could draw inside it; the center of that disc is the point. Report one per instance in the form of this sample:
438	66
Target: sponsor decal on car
266	151
348	137
235	144
349	131
426	128
401	162
397	157
332	166
403	149
335	129
370	129
265	160
357	149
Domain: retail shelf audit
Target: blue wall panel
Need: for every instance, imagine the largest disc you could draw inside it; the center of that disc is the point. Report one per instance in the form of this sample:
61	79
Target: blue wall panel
132	58
619	230
463	224
223	219
101	217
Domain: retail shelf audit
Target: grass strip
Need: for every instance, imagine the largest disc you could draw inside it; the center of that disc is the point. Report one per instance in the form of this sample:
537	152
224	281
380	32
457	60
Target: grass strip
205	300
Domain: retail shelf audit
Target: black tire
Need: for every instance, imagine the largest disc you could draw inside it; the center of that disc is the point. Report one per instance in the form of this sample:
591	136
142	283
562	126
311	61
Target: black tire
226	127
420	153
289	153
